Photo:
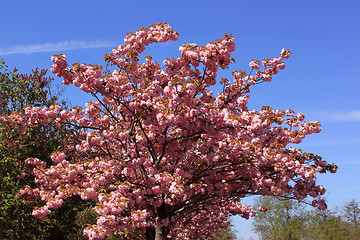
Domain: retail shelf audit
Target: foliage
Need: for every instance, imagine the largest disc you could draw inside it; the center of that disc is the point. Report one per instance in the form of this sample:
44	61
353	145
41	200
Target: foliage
226	234
19	90
351	212
159	153
325	225
17	145
286	218
282	218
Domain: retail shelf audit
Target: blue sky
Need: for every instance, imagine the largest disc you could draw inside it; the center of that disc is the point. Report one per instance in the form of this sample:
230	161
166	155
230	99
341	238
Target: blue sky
321	78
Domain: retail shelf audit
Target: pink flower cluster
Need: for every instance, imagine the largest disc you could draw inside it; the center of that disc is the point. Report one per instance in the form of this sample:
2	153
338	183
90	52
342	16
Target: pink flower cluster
95	232
155	33
58	157
41	213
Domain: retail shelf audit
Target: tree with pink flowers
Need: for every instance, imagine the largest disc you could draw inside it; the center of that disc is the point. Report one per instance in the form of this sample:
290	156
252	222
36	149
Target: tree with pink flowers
160	153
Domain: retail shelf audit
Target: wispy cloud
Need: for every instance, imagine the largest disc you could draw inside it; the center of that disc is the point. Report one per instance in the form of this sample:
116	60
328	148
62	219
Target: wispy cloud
344	116
351	162
336	116
60	46
332	142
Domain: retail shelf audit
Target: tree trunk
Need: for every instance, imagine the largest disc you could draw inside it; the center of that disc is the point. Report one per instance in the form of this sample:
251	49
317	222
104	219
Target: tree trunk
161	233
156	233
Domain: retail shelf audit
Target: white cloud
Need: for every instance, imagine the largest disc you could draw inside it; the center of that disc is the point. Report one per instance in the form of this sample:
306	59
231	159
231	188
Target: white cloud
353	162
331	142
344	116
60	46
335	116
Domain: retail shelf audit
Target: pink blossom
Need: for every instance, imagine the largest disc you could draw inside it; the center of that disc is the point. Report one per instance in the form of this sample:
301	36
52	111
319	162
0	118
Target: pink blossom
41	213
55	203
262	209
58	157
95	232
254	65
89	193
322	204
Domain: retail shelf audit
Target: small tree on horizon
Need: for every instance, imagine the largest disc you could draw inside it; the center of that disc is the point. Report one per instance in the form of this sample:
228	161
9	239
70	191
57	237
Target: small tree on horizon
281	218
160	154
351	212
288	219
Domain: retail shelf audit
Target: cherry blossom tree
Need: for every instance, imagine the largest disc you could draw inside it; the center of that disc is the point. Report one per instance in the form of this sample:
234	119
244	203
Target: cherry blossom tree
160	153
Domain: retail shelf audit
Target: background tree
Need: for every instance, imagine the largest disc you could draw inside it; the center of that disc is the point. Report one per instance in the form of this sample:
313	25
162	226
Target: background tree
282	218
323	225
228	233
351	213
17	91
290	219
159	153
